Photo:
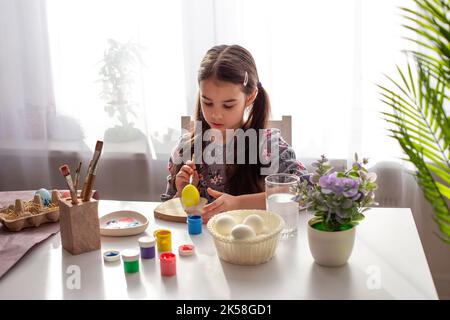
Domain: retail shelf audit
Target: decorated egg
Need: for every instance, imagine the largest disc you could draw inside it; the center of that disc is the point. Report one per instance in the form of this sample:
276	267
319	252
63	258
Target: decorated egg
255	222
190	196
242	231
45	196
224	224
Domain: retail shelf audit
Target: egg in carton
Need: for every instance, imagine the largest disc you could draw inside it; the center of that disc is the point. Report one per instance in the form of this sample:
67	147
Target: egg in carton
24	214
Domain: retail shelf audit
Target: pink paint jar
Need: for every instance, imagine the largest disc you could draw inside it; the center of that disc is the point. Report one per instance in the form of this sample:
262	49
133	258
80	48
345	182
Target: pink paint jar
168	264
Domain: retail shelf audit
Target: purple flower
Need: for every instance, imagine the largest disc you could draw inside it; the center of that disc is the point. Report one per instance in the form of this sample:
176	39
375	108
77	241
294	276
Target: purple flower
357	196
331	183
328	183
351	187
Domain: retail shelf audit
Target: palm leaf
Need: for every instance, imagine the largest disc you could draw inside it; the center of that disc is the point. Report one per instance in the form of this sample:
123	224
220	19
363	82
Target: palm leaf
397	119
432	23
444	175
435	65
422	115
419	103
430	189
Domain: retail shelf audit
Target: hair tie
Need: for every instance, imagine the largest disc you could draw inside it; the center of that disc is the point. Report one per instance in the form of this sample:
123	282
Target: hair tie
259	85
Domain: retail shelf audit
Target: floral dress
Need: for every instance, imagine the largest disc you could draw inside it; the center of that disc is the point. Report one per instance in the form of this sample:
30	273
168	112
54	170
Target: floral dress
213	175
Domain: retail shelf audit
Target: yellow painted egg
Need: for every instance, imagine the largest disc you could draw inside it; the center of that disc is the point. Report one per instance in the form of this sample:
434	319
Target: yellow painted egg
190	196
224	224
255	222
242	231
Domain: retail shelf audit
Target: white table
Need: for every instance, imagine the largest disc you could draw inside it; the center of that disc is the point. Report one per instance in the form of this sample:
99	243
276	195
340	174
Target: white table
388	262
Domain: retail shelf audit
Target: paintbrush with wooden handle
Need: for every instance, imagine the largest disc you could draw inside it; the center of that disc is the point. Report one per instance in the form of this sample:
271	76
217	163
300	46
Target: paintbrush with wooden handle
77	178
85	180
88	184
66	173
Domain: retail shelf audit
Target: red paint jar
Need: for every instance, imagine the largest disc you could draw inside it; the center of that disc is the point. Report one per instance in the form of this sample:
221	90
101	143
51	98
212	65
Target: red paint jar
168	264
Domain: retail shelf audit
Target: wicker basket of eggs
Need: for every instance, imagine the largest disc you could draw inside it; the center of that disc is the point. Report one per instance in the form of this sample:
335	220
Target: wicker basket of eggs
246	237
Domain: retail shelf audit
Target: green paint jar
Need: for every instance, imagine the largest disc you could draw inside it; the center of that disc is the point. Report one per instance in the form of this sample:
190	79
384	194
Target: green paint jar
130	260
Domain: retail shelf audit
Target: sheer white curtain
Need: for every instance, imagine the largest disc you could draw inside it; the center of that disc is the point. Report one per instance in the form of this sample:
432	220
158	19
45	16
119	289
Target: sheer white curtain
26	93
319	62
51	109
79	31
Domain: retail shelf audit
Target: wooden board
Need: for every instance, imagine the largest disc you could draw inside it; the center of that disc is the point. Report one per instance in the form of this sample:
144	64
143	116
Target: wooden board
172	210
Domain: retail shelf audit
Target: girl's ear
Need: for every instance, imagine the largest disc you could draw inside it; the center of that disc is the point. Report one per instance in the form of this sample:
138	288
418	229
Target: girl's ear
251	98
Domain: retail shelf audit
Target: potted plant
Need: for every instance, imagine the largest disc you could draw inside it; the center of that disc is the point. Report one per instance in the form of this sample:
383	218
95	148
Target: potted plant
337	199
118	71
419	103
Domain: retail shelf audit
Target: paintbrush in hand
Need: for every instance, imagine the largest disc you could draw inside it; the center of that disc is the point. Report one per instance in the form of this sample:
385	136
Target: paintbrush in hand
88	184
66	173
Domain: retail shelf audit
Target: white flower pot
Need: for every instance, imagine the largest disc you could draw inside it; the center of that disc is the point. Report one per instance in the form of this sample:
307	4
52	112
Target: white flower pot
330	248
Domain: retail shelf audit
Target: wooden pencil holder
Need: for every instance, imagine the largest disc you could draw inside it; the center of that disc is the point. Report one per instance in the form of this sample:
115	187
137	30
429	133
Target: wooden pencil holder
79	226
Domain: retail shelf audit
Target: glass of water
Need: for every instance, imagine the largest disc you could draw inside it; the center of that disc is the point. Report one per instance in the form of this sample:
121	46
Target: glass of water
280	195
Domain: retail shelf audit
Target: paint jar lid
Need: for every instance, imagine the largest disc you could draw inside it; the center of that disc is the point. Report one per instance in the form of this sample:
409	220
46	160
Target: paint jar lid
194	219
186	250
130	255
146	242
161	233
111	255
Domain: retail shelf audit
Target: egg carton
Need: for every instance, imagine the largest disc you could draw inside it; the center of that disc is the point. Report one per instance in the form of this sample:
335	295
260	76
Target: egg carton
25	214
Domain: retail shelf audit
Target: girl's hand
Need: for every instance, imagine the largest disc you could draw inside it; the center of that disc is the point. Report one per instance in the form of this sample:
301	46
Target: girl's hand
223	202
182	177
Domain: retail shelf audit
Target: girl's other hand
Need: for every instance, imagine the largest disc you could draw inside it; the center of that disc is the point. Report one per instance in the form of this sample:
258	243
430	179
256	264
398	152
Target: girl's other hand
224	202
182	177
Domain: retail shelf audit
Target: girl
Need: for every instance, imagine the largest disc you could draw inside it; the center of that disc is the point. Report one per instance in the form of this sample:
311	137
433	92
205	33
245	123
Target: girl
230	97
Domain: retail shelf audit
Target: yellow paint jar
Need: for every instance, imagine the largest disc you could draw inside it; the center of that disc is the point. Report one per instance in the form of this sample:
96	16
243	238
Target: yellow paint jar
163	240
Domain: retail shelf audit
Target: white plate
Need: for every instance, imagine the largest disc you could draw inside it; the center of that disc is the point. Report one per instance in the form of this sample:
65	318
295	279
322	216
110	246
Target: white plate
122	230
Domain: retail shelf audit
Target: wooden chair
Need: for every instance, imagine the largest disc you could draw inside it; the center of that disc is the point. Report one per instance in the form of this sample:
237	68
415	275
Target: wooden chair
285	126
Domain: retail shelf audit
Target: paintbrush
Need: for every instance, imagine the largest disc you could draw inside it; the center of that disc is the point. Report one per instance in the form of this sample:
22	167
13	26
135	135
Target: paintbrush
191	177
66	173
85	180
92	171
77	178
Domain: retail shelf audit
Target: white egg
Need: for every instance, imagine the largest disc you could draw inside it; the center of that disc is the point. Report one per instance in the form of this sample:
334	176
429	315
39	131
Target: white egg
224	224
255	222
242	231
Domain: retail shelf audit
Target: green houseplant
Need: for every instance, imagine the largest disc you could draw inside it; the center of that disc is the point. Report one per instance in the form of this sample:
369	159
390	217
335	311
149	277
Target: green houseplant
337	199
117	72
420	116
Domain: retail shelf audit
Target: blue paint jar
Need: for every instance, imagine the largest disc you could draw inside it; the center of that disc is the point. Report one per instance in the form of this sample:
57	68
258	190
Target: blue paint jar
194	224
